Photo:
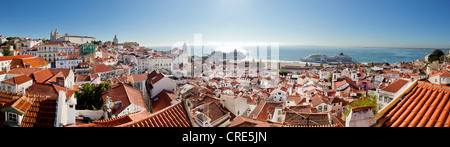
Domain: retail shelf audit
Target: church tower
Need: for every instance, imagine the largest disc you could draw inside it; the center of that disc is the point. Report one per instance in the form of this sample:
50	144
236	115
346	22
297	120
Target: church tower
51	35
54	35
115	40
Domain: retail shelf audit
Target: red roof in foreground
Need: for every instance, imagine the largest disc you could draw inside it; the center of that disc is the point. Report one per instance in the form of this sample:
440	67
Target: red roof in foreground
172	116
427	105
38	111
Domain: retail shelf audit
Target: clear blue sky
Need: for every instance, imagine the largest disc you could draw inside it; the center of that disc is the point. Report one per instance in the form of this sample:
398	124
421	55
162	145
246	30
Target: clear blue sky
383	23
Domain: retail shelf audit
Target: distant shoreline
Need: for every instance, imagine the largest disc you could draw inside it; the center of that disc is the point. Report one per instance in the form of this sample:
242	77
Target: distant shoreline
290	53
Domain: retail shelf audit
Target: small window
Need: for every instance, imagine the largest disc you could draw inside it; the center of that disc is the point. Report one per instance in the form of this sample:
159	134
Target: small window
12	117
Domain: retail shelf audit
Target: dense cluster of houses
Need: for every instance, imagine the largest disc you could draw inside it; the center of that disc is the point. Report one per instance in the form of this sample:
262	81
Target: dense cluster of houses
39	81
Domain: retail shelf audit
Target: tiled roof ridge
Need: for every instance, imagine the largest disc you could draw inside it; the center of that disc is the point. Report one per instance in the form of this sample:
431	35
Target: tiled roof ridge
127	90
156	114
428	84
115	118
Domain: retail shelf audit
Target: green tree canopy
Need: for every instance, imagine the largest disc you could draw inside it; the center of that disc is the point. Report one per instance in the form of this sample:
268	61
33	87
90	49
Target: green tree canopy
90	97
364	101
437	53
6	51
282	73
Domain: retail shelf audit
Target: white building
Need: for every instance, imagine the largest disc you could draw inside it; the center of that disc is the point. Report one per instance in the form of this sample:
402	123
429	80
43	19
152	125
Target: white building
236	105
325	73
442	78
48	51
15	83
70	61
2	39
391	91
6	60
156	82
279	95
54	36
161	63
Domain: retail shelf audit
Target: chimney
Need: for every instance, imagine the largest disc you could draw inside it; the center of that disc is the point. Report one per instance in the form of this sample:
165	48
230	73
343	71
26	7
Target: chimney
61	110
60	81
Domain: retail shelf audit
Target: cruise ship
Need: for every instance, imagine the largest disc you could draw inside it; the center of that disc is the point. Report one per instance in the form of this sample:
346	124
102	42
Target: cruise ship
320	58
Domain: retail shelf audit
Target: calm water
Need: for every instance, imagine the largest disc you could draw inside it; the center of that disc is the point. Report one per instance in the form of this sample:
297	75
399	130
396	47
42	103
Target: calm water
378	55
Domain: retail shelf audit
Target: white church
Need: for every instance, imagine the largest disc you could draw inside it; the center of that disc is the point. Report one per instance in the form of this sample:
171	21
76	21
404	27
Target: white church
55	36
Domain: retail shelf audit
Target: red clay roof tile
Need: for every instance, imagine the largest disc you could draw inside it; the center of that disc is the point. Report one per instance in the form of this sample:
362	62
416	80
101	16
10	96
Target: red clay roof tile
426	105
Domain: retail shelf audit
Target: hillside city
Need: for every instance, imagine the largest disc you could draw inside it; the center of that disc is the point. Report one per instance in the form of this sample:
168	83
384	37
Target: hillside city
78	81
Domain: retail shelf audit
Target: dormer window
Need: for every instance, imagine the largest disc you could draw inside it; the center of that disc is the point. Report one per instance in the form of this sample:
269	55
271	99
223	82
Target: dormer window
12	117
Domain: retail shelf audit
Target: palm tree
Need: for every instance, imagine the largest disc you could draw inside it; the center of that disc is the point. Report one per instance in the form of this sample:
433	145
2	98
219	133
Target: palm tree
90	96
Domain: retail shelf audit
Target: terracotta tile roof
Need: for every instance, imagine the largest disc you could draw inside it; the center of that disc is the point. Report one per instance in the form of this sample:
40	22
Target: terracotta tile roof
73	56
65	72
42	113
247	122
213	111
172	116
262	110
22	104
319	99
29	62
49	90
26	71
127	94
4	58
42	76
100	68
38	111
18	79
119	80
442	74
113	122
139	77
53	79
396	85
81	78
156	78
162	100
426	105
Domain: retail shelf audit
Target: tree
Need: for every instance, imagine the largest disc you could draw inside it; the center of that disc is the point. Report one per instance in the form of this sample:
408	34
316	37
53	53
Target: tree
96	42
282	73
437	53
90	97
321	65
364	101
6	51
330	78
